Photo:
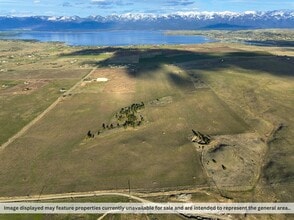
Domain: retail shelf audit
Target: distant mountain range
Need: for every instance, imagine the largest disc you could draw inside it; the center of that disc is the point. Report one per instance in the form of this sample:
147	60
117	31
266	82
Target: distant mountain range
175	21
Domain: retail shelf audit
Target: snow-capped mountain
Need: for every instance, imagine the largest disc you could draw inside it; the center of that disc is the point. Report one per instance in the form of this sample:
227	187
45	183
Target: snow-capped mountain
175	21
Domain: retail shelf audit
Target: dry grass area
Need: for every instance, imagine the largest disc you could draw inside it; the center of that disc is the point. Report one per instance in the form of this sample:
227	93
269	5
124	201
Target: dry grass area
40	73
22	87
101	162
119	80
237	94
31	76
260	90
19	106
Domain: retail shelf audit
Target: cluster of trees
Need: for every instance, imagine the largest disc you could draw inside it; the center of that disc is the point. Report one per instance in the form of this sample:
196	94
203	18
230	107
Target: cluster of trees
90	134
127	116
134	108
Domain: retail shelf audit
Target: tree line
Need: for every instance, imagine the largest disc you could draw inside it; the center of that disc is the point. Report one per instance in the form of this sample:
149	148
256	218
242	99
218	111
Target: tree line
126	117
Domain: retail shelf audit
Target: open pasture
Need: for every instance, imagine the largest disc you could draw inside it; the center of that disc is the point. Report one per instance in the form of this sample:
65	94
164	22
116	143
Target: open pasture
40	73
156	155
221	89
30	80
19	106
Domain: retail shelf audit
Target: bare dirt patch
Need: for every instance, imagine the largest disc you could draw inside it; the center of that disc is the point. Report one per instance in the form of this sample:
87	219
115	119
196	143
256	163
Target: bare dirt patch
118	80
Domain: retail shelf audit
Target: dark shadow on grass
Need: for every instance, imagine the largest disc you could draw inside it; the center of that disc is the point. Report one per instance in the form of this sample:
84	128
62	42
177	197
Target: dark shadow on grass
183	83
272	43
151	60
147	61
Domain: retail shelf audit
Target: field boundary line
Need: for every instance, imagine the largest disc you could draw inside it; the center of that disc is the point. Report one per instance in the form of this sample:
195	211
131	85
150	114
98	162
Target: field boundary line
41	115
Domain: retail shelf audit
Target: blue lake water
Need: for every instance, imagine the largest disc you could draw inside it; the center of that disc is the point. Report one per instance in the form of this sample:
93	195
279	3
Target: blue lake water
110	38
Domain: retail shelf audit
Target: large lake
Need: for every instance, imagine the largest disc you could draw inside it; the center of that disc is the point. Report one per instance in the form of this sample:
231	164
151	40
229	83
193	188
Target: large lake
109	38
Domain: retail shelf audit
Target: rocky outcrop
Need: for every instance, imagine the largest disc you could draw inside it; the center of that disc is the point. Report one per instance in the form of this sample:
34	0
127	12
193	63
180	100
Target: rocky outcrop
200	138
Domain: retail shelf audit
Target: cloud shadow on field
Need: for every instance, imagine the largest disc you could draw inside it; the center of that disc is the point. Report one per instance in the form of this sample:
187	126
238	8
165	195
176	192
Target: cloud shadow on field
148	61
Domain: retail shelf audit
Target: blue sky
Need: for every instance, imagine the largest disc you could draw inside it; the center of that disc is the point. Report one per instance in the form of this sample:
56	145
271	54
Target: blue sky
84	8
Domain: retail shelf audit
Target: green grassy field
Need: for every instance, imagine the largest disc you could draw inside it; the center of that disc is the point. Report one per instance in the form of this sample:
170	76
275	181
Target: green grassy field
17	110
246	89
31	76
110	160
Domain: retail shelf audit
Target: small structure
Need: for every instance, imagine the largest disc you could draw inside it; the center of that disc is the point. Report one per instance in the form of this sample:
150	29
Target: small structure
62	90
101	79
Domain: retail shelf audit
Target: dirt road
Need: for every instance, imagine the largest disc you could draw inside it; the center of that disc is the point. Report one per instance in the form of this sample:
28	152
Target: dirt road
123	193
40	116
100	193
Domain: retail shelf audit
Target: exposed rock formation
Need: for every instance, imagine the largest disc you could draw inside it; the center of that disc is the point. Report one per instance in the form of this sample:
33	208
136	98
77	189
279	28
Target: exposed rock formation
200	138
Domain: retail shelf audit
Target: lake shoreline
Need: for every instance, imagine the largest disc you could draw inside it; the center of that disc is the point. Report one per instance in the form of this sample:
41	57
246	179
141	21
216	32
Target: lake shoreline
106	38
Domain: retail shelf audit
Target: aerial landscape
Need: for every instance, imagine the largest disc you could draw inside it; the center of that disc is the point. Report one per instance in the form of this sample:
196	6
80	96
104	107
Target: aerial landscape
104	102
